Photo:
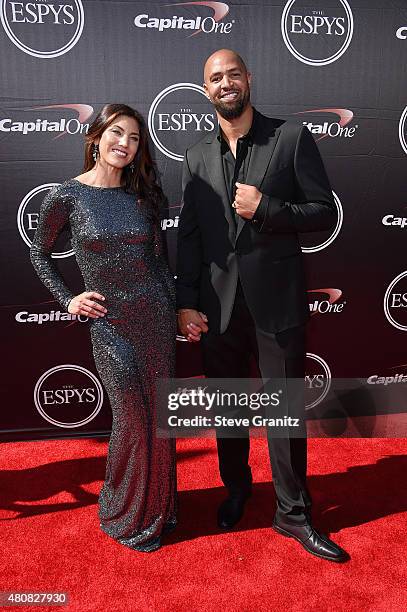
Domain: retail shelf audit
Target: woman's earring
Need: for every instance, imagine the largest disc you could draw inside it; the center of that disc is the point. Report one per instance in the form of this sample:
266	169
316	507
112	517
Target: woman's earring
131	166
95	151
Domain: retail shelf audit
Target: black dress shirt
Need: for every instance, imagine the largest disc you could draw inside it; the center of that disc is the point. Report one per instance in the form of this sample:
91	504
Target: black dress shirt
235	168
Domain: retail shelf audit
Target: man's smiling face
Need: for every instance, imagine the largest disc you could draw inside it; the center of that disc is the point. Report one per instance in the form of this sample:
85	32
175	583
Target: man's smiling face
227	84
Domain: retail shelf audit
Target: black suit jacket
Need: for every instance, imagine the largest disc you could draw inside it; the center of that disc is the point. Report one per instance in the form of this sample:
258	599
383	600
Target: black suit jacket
265	253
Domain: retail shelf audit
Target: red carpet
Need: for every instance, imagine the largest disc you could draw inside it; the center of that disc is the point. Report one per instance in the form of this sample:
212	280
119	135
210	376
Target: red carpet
51	540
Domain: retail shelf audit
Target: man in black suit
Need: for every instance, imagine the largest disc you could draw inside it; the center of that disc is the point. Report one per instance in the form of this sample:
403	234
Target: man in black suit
249	189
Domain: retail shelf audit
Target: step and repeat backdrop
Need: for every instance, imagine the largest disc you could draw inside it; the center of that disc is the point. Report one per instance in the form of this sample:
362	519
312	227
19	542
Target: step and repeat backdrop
336	66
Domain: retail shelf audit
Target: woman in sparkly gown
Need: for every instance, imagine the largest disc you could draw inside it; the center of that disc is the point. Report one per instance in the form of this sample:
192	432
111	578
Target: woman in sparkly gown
112	211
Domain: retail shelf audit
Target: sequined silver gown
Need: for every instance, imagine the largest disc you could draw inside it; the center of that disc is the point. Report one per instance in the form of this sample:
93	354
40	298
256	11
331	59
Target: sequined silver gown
117	245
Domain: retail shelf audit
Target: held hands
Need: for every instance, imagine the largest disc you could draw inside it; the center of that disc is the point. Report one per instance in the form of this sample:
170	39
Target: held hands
84	304
192	323
246	201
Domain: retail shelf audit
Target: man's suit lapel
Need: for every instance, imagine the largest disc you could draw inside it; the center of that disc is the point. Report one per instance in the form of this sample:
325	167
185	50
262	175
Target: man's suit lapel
260	158
267	135
213	162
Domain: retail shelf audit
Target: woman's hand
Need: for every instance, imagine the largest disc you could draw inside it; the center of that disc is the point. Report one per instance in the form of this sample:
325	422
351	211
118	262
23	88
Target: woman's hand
84	304
192	323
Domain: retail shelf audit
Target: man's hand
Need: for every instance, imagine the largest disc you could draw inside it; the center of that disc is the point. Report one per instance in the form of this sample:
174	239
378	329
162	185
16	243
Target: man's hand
247	199
192	323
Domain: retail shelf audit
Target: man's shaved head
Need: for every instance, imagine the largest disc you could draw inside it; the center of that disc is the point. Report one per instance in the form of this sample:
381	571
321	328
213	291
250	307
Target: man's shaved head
220	56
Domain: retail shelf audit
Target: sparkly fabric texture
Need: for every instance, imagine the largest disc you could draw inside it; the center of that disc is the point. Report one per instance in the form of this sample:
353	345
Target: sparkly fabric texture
117	245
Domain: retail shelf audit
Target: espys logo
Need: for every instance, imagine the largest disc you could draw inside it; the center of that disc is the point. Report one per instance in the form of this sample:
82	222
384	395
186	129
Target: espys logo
173	123
323	306
27	219
43	29
68	396
317	380
325	242
403	130
395	302
211	24
333	129
62	125
315	34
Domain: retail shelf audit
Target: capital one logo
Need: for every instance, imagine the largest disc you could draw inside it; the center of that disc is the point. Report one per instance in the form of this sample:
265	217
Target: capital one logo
53	316
393	221
395	379
317	34
53	123
174	123
324	301
208	24
318	380
318	244
401	33
68	396
27	219
403	130
334	129
31	26
395	302
171	223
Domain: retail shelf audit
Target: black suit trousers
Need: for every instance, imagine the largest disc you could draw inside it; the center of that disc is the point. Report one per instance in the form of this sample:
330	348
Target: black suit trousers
277	355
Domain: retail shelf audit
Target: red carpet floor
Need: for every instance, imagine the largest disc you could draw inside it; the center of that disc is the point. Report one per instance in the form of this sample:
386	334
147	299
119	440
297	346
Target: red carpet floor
50	540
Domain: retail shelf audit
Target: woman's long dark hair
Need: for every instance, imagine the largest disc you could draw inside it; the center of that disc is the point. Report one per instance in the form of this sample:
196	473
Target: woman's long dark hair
143	180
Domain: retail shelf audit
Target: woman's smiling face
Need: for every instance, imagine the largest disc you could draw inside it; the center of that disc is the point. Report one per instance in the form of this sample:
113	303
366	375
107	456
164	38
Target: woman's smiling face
119	142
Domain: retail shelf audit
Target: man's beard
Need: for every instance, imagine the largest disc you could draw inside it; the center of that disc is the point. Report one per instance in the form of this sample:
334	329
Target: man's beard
233	111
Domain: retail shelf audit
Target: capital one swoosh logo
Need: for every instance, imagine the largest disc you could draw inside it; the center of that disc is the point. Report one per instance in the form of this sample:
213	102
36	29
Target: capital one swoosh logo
55	123
403	365
44	313
385	380
220	9
324	305
207	25
85	111
333	129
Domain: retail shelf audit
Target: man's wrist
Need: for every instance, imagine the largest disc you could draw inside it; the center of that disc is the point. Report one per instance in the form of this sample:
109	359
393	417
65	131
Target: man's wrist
261	211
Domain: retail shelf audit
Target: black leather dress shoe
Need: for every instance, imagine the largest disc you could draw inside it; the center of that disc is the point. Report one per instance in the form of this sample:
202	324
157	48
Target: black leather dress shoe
315	543
231	509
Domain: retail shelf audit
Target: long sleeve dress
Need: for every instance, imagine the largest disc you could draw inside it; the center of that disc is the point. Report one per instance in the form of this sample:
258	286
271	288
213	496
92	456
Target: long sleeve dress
117	245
